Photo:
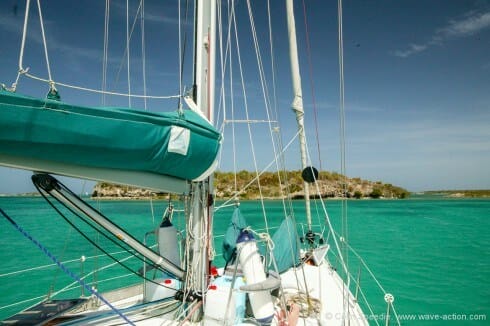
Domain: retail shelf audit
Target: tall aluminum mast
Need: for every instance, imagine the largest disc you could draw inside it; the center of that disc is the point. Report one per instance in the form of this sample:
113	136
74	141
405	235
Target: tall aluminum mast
297	104
201	210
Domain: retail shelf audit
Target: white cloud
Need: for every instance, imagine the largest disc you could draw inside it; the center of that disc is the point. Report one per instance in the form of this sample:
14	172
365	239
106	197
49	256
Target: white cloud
471	23
412	49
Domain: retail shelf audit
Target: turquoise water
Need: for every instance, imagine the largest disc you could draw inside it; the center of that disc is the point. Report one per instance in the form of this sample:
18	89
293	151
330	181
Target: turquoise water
430	253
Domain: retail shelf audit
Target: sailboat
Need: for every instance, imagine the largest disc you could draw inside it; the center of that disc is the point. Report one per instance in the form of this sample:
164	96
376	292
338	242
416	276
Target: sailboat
269	278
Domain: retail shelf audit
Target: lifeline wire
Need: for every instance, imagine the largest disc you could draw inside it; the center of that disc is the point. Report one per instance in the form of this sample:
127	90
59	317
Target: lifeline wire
102	233
63	267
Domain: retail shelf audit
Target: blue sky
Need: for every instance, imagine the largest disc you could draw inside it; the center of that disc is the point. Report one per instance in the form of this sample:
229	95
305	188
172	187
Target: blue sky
416	80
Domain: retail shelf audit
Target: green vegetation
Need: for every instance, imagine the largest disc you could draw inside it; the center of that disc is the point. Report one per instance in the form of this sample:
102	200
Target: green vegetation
330	184
245	185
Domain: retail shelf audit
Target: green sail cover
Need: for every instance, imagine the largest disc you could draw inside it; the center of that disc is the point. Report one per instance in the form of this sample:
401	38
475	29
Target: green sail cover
183	146
237	223
286	249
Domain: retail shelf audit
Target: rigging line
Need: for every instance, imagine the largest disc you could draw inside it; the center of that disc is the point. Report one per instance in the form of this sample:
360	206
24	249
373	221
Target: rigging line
69	287
265	169
263	79
318	192
221	106
63	252
22	302
96	235
105	56
94	272
367	267
63	267
225	58
180	57
275	112
143	51
126	50
373	276
161	97
366	302
274	96
84	235
312	84
281	165
232	25
182	50
246	121
99	232
51	82
340	248
95	278
265	93
51	265
337	246
343	149
22	46
128	53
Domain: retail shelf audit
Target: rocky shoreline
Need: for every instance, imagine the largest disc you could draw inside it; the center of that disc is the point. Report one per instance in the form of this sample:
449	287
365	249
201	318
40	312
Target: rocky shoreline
331	185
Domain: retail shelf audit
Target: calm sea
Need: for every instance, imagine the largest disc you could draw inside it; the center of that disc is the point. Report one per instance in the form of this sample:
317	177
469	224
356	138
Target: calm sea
432	254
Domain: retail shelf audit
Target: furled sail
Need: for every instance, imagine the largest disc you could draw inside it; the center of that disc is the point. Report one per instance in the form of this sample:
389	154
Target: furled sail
106	143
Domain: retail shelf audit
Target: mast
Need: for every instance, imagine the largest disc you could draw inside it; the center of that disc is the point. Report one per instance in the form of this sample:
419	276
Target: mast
201	209
297	104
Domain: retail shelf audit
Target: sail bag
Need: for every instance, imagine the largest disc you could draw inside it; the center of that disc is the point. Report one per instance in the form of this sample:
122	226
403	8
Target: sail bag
286	245
178	144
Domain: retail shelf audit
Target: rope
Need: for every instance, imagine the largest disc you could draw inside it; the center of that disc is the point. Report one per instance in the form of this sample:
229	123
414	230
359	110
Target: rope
63	267
165	97
105	58
70	286
51	265
48	67
265	93
258	176
181	66
143	51
264	236
120	262
128	53
232	98
25	71
281	164
312	84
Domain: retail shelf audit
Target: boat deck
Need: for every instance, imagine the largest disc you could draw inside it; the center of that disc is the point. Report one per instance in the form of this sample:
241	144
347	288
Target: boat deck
43	312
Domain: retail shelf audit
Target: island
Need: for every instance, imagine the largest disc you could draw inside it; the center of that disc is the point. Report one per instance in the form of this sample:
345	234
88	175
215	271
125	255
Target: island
330	185
483	193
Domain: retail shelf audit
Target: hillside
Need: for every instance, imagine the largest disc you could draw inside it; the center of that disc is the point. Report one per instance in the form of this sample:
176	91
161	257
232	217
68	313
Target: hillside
330	185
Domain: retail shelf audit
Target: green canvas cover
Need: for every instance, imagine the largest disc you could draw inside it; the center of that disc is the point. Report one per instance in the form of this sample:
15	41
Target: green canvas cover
107	137
286	249
237	223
